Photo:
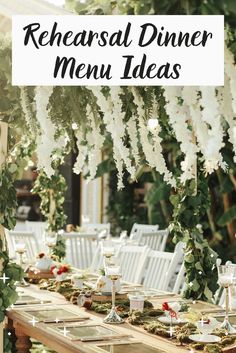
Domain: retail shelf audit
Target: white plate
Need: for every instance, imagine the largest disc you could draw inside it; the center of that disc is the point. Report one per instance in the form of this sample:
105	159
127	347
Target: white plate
166	320
205	338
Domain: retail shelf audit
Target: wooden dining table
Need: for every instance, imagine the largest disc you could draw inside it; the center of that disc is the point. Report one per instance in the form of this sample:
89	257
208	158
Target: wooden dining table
22	328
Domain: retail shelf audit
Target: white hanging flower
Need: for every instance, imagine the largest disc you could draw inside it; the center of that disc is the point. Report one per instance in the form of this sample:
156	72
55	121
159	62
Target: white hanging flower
46	142
114	127
82	152
179	121
230	70
152	149
132	130
117	129
211	116
95	141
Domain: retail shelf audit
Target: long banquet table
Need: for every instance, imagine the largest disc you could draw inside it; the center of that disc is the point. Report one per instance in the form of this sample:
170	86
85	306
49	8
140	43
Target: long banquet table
22	330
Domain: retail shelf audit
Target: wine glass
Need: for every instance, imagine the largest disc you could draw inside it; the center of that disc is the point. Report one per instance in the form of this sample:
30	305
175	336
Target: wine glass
226	278
51	240
21	250
114	273
108	251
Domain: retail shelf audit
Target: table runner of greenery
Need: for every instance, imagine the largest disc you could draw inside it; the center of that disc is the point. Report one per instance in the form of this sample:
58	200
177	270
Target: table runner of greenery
148	319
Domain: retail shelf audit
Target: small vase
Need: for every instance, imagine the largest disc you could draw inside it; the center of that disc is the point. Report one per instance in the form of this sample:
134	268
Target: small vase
44	264
104	285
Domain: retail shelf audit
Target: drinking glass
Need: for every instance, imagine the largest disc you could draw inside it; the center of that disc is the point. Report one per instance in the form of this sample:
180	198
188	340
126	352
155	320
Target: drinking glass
51	240
108	250
114	273
227	278
21	250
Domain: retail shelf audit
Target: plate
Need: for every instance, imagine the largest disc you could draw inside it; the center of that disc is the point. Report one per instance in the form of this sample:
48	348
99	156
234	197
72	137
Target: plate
166	320
126	348
87	333
205	338
51	315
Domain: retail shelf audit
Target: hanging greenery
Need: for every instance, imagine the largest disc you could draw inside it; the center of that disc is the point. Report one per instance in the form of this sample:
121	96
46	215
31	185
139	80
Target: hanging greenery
52	191
12	272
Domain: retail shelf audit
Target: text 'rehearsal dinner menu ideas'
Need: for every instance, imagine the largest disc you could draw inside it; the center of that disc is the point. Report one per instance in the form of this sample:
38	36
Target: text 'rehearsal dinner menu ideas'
118	50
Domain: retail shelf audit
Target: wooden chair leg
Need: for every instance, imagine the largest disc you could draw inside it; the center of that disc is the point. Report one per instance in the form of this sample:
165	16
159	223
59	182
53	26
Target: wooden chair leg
23	343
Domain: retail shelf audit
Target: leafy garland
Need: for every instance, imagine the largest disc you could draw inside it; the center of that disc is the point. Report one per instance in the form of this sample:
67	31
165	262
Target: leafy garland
52	191
200	259
8	203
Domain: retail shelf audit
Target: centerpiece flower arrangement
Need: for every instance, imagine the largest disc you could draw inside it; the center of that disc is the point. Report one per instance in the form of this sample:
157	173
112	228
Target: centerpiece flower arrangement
60	271
44	262
171	310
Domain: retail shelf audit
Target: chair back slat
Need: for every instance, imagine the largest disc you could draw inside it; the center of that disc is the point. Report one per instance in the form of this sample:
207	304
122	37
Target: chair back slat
137	230
39	228
80	248
154	240
161	267
30	241
132	259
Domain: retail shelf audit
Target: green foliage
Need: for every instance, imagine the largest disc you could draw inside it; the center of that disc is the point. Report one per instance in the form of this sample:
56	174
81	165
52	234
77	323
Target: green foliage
190	206
7	348
51	191
8	202
228	216
8	294
52	194
122	209
60	249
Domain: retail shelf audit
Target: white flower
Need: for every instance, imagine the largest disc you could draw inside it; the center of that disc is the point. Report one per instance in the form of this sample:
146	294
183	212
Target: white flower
46	142
152	149
179	119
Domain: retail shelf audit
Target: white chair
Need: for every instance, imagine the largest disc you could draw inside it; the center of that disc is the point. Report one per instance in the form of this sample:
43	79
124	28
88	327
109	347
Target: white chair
30	241
154	240
160	268
132	259
97	261
38	228
179	285
137	229
80	248
100	228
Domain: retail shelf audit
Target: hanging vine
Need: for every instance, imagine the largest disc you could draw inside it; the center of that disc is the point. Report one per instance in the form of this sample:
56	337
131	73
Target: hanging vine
52	194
